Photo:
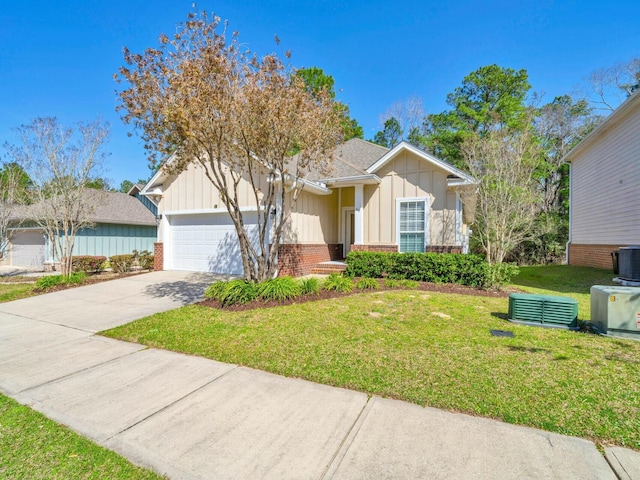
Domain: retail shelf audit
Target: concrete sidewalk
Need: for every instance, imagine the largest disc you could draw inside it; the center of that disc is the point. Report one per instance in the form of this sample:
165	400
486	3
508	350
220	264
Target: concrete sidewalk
189	417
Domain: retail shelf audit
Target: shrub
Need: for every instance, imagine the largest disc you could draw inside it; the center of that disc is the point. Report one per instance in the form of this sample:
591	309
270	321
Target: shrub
88	263
309	286
368	264
215	290
366	283
338	283
232	292
76	278
50	281
499	274
144	259
470	270
281	288
121	263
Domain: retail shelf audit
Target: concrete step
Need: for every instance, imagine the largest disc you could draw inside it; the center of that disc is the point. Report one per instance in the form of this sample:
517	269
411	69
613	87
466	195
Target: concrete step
327	268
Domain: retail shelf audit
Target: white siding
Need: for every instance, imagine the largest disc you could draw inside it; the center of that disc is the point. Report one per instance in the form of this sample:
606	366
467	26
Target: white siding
605	182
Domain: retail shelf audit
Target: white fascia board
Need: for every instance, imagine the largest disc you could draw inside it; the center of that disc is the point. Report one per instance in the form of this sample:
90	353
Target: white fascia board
425	156
370	179
159	177
209	211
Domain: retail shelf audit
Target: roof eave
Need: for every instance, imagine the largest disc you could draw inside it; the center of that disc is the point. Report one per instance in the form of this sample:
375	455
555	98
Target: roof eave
430	158
370	179
619	112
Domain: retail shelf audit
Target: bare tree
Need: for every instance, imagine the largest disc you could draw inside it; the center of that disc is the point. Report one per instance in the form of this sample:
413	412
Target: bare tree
504	162
611	85
205	100
12	193
61	162
409	114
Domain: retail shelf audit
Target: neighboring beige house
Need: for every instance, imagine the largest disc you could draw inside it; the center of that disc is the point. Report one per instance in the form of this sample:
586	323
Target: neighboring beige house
378	199
605	188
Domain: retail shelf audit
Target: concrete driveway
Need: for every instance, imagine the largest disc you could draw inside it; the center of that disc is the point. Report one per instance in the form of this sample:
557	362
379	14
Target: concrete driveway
115	302
189	417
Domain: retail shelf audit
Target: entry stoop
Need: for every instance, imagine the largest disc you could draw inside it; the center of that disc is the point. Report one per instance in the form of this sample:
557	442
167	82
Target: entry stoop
327	268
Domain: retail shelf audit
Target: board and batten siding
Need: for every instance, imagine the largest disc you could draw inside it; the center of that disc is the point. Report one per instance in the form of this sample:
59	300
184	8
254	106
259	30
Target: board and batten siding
605	184
314	219
408	176
107	239
192	190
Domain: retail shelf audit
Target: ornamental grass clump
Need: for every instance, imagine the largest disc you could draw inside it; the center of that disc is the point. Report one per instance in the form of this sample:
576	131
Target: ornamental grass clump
366	283
278	289
338	283
310	286
233	292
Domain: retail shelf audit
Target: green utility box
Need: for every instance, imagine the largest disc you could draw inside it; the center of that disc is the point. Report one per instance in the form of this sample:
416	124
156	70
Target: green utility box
543	310
616	310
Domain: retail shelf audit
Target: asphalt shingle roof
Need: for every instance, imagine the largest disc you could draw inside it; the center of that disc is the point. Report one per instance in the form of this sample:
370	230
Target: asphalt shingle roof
111	207
353	158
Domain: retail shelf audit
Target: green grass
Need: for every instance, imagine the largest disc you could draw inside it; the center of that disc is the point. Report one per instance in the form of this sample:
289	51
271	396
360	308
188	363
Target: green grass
564	280
15	291
430	349
34	447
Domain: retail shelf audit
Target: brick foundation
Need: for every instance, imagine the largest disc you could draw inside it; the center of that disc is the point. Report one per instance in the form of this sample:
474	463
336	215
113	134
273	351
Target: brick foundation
298	259
158	256
598	256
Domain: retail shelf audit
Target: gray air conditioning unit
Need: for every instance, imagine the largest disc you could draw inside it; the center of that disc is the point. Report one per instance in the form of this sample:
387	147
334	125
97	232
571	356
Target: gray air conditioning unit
629	263
616	310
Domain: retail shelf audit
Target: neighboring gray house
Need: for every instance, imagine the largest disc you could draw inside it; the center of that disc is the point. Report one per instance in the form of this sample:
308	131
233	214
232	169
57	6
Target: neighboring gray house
605	188
122	224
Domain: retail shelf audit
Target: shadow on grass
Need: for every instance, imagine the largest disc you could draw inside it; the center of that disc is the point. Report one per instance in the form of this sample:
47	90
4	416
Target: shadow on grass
189	290
500	315
562	278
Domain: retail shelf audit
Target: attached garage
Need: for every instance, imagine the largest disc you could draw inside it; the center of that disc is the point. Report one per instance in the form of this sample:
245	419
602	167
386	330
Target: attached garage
28	249
207	242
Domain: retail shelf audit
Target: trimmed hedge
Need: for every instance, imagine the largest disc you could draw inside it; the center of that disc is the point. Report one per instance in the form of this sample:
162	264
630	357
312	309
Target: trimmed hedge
121	263
464	269
88	263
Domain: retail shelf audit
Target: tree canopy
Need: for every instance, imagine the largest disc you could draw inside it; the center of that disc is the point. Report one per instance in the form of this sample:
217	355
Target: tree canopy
202	98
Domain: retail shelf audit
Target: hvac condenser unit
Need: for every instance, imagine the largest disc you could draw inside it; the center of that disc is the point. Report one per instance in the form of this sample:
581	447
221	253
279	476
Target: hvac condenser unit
543	310
616	310
629	263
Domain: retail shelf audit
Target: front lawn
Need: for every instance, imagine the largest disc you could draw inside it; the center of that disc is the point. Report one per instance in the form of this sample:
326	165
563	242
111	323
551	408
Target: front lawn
428	348
13	291
34	447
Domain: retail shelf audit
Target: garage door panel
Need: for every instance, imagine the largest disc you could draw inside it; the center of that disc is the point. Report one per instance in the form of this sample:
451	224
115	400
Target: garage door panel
28	249
209	243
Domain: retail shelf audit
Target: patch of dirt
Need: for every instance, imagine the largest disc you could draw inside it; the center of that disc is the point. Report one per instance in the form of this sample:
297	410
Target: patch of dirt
326	295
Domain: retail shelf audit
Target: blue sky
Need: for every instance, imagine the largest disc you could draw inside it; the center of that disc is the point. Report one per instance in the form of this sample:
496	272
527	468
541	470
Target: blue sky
57	58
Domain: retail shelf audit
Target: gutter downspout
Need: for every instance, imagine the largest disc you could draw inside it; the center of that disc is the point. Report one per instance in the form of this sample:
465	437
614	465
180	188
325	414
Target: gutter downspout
566	248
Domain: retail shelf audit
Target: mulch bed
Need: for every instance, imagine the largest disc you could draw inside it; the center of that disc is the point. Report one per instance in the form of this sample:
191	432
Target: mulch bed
90	280
326	295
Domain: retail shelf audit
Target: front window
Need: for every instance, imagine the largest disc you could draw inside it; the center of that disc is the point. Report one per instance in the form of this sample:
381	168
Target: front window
412	227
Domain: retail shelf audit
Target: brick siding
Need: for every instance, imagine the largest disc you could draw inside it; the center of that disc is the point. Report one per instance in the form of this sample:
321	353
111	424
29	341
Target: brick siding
158	256
598	256
298	259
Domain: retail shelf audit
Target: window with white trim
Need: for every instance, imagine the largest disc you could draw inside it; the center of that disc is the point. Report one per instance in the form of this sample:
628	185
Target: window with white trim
413	225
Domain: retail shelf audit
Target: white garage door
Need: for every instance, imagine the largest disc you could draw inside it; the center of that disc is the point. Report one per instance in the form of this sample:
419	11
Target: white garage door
28	249
208	242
